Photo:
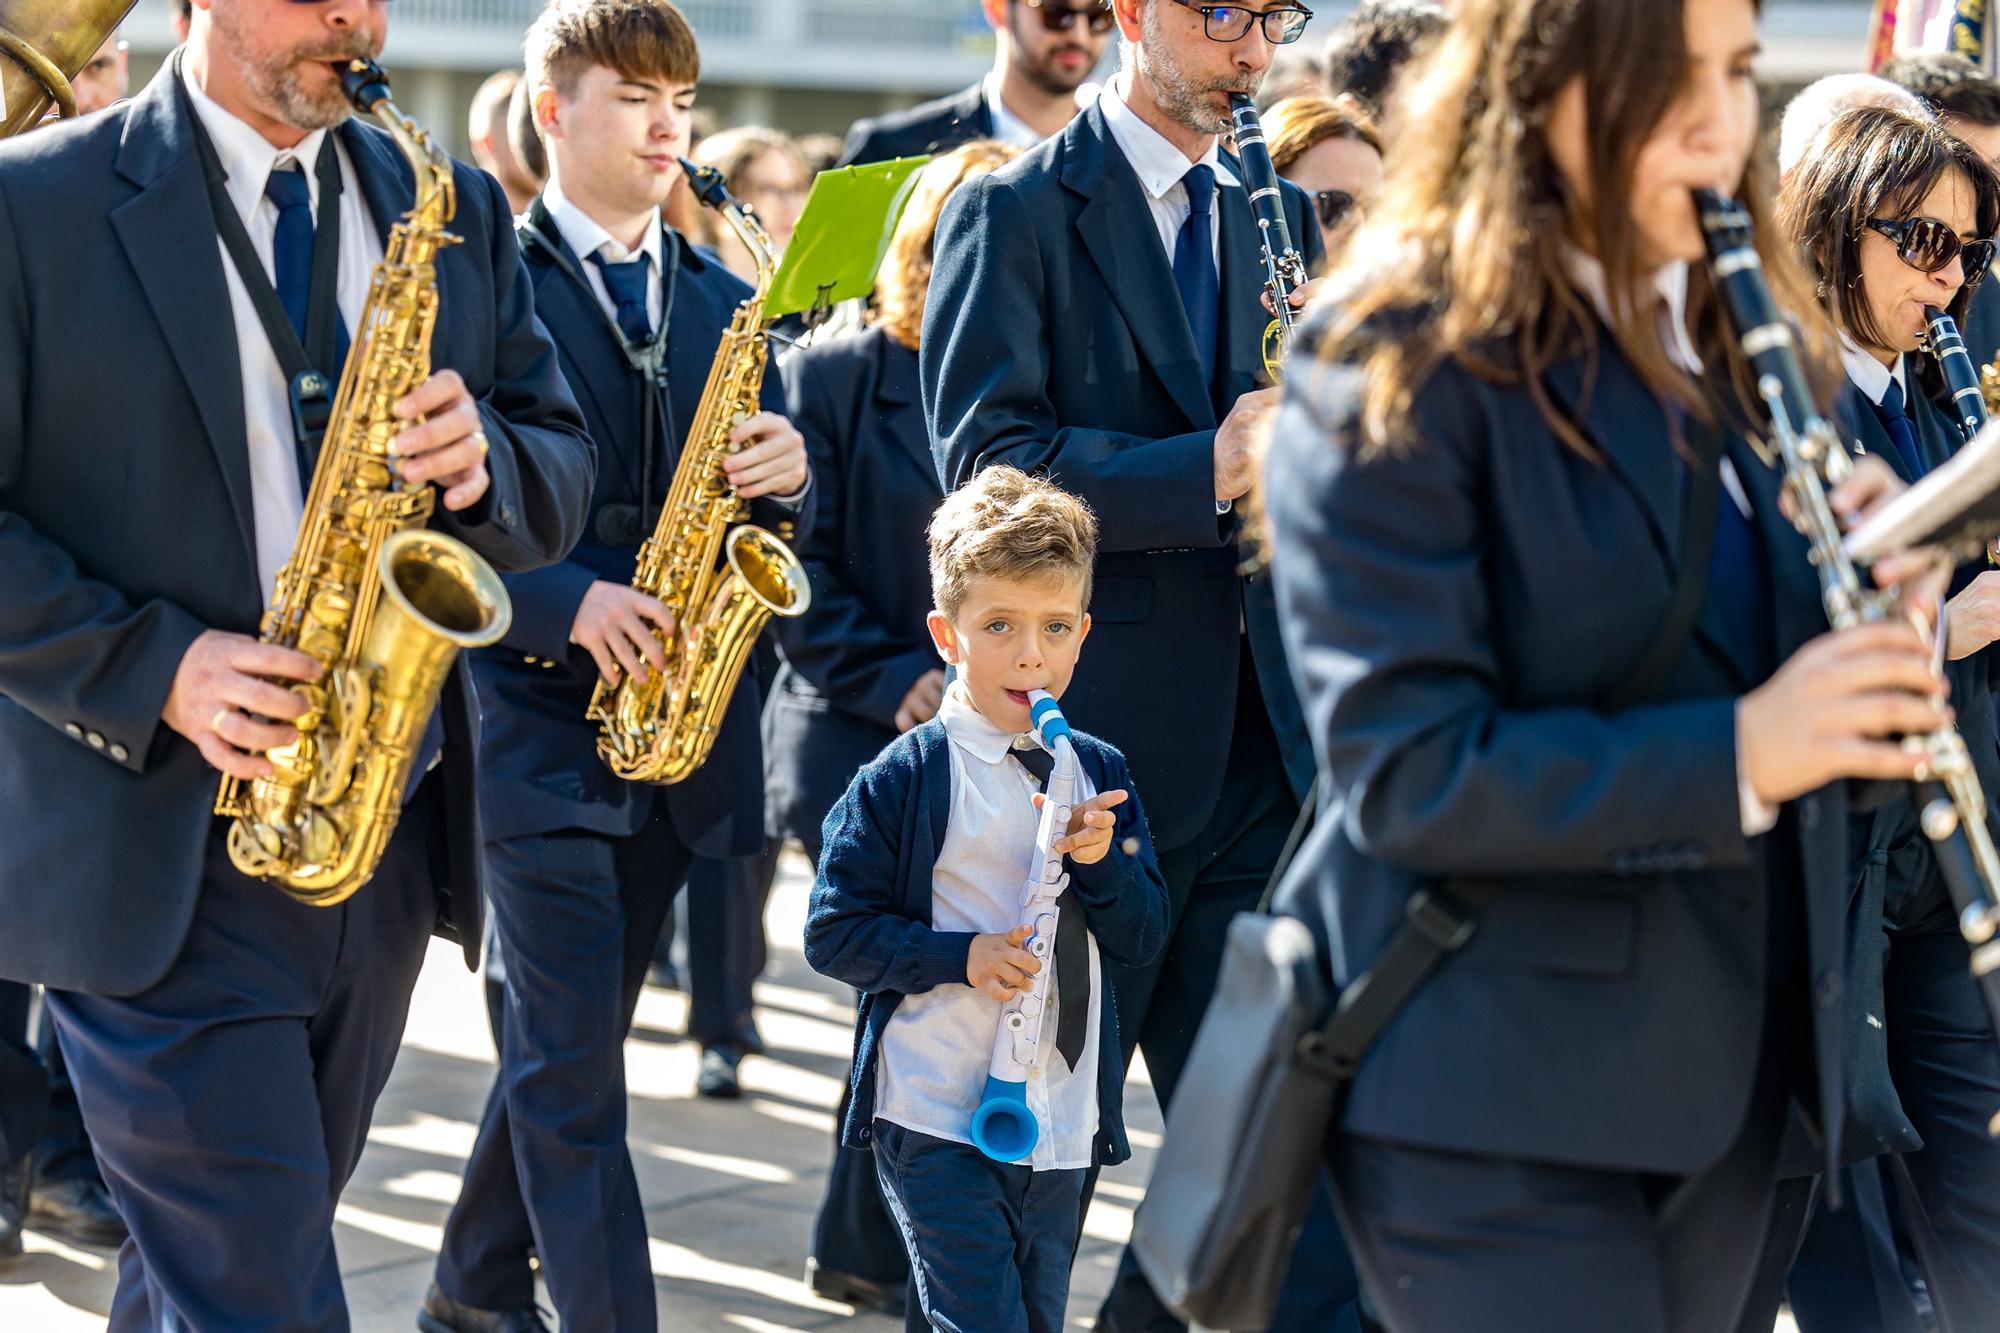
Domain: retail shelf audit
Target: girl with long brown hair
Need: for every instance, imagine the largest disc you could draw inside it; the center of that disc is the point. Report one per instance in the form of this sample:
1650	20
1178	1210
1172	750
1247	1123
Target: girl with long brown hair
1565	666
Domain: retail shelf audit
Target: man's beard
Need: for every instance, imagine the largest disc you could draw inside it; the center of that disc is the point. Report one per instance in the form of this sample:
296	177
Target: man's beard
1050	77
1179	94
277	81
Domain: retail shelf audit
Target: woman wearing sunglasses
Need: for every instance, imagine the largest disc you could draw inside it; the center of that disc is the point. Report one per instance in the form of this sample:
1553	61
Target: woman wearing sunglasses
1327	147
1544	700
1893	215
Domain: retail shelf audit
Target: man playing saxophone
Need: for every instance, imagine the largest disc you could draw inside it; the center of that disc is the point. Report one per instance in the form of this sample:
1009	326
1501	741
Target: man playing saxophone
584	864
227	1042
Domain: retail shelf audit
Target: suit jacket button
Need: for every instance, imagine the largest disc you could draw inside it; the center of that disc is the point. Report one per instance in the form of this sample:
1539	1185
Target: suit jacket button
96	739
75	731
1827	989
530	658
120	753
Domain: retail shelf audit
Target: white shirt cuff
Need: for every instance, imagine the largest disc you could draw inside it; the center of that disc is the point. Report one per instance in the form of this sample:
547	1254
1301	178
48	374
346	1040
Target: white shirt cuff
1758	816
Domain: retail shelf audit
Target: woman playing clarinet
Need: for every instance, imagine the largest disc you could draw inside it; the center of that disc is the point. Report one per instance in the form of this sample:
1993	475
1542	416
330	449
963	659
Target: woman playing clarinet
1565	665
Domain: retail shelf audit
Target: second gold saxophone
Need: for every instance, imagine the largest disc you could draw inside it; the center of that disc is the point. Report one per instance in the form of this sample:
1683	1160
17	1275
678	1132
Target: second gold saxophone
382	603
721	577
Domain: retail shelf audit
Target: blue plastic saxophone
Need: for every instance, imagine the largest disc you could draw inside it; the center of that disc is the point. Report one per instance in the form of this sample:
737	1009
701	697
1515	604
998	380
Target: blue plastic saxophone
1003	1127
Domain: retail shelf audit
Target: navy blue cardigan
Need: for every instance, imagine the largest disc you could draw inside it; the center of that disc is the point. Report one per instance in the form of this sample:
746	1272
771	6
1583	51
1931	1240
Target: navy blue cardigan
870	920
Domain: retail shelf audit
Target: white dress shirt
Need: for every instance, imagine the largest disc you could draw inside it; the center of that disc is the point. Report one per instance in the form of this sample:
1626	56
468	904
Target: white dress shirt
1671	283
1008	128
277	491
1869	374
583	234
938	1045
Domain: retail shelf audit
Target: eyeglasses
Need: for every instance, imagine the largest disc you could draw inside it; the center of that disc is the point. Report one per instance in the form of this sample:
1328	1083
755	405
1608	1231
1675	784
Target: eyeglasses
1060	18
1232	23
1333	207
1928	245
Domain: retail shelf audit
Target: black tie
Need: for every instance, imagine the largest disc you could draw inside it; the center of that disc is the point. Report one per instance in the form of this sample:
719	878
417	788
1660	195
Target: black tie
1072	944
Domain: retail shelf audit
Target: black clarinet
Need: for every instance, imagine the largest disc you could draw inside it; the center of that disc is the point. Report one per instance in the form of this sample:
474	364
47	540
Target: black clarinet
1284	266
1961	376
1951	805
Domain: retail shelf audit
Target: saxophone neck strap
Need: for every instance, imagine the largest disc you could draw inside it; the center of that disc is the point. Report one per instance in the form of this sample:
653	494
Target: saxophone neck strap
309	389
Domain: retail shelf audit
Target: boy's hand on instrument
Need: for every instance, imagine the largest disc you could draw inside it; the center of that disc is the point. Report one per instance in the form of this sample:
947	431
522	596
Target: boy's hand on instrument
999	964
1972	618
1090	827
621	628
770	458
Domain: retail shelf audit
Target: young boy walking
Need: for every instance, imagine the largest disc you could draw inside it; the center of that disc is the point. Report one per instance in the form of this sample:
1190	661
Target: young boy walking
918	905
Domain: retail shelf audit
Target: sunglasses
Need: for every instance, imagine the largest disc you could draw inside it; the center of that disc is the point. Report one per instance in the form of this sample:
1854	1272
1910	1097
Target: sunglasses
1928	245
1061	18
1333	207
1232	23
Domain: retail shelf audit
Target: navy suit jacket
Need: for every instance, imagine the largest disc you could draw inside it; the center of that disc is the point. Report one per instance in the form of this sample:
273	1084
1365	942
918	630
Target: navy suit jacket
125	516
854	654
1458	610
1895	878
869	922
934	127
542	770
1054	340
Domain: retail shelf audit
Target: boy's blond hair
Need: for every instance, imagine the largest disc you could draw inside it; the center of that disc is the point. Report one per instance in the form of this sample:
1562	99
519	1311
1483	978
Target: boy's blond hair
1007	524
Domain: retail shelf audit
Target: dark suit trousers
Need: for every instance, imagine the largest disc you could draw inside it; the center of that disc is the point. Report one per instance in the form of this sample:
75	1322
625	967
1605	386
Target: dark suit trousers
35	1088
575	915
230	1102
1945	1062
1209	880
1447	1240
726	955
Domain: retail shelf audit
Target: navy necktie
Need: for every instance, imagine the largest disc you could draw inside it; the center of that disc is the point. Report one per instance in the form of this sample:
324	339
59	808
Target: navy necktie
1194	267
1072	943
630	287
1894	410
292	265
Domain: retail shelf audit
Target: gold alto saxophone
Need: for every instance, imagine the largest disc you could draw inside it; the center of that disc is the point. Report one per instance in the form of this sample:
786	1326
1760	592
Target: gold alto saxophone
383	604
721	577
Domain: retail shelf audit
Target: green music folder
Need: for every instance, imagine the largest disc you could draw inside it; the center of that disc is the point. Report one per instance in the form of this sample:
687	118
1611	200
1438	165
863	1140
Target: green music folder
842	236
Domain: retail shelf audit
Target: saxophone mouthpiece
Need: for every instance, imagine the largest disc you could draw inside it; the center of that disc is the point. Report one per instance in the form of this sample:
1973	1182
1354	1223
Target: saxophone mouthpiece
366	82
707	184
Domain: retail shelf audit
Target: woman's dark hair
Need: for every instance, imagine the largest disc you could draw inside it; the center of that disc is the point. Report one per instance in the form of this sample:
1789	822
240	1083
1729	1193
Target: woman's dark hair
1467	254
1874	164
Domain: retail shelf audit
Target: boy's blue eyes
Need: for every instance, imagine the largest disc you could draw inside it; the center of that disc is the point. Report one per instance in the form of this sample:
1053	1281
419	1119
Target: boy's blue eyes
1001	626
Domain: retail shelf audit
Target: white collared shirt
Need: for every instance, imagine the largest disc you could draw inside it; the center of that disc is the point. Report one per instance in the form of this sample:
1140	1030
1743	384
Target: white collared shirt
938	1045
1869	374
583	234
248	158
1008	128
1160	166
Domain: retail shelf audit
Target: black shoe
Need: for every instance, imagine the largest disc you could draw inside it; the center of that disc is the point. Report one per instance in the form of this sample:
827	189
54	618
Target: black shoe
442	1314
76	1210
748	1037
718	1072
859	1292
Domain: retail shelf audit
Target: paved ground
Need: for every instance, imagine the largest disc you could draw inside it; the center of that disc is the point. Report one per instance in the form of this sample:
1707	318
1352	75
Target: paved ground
732	1186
